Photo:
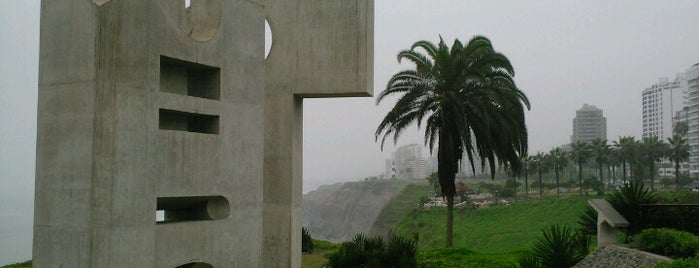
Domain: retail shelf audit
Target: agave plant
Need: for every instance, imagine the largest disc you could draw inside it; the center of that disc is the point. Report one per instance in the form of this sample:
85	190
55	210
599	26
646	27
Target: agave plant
306	241
372	252
558	246
588	221
627	200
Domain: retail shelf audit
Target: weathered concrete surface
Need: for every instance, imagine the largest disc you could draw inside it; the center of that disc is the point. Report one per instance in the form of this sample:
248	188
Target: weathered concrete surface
620	257
116	134
608	221
102	158
321	48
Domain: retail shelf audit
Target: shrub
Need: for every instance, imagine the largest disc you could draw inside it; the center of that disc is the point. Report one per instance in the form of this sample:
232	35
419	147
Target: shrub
627	200
463	258
680	263
669	242
373	252
306	241
27	264
588	221
325	247
558	246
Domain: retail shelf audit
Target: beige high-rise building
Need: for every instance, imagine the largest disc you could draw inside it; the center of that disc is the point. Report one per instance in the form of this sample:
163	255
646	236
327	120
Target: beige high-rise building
589	124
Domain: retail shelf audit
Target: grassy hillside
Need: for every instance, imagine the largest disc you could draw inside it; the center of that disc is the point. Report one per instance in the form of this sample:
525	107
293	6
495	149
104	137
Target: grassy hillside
399	206
501	229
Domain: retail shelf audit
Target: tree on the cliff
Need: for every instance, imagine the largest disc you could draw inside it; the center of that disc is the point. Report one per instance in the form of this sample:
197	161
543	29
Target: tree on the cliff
470	105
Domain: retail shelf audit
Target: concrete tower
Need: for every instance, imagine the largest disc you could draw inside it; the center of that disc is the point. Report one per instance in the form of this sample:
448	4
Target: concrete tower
154	107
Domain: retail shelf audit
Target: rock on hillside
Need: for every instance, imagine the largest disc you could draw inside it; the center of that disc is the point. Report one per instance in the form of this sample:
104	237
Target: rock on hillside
337	212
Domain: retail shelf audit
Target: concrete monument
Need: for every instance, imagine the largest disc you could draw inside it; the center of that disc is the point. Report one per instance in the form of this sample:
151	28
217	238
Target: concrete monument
165	139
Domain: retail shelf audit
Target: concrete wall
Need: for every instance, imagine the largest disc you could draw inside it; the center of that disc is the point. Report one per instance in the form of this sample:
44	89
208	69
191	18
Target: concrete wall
103	157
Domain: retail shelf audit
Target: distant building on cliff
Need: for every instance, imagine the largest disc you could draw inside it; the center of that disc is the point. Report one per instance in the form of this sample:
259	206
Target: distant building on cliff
408	162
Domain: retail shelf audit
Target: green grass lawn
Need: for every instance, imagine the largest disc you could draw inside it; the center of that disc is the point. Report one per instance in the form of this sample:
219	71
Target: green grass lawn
27	264
494	230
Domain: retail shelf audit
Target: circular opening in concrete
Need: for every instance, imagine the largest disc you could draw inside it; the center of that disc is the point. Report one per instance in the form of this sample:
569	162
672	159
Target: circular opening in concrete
218	208
268	39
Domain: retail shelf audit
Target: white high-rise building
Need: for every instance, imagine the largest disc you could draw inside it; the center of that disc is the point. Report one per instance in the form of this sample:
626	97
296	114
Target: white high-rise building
692	77
409	163
660	104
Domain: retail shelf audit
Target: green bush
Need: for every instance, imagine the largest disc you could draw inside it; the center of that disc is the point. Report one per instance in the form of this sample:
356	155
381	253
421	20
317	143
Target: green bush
627	200
558	246
463	258
27	264
680	263
678	197
669	242
373	252
588	221
306	241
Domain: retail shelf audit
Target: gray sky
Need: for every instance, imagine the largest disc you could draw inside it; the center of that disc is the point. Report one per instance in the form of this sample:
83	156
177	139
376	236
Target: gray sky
565	53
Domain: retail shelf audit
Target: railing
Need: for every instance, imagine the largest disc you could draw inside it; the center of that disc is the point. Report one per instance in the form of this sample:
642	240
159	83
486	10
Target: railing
681	216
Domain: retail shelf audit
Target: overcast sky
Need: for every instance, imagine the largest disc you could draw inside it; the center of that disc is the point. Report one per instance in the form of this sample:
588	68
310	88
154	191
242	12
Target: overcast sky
565	54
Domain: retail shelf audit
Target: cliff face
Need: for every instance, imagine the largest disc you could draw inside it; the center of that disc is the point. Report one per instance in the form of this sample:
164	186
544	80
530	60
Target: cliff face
337	212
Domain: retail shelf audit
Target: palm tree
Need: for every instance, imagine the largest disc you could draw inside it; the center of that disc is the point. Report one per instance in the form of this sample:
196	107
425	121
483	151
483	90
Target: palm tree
653	150
677	152
625	146
614	160
470	106
599	149
526	165
538	162
558	160
580	154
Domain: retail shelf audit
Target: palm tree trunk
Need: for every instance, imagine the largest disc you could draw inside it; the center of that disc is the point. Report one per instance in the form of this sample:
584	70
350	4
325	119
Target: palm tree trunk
623	167
677	175
541	186
526	183
557	191
580	184
652	167
599	175
450	221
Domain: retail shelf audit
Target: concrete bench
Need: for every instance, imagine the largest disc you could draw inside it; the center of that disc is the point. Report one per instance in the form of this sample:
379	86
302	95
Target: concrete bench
608	222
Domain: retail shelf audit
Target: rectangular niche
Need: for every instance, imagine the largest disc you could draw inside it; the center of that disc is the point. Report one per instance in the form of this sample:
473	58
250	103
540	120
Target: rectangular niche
189	78
190	122
191	208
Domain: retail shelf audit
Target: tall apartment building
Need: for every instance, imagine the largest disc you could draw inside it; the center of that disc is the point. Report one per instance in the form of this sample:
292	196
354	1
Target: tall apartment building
692	77
589	124
661	104
409	163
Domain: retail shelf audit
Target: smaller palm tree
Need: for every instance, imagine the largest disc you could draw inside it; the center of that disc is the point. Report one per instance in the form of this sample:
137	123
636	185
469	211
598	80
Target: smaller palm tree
580	154
653	150
625	146
600	150
526	165
678	152
558	160
539	163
